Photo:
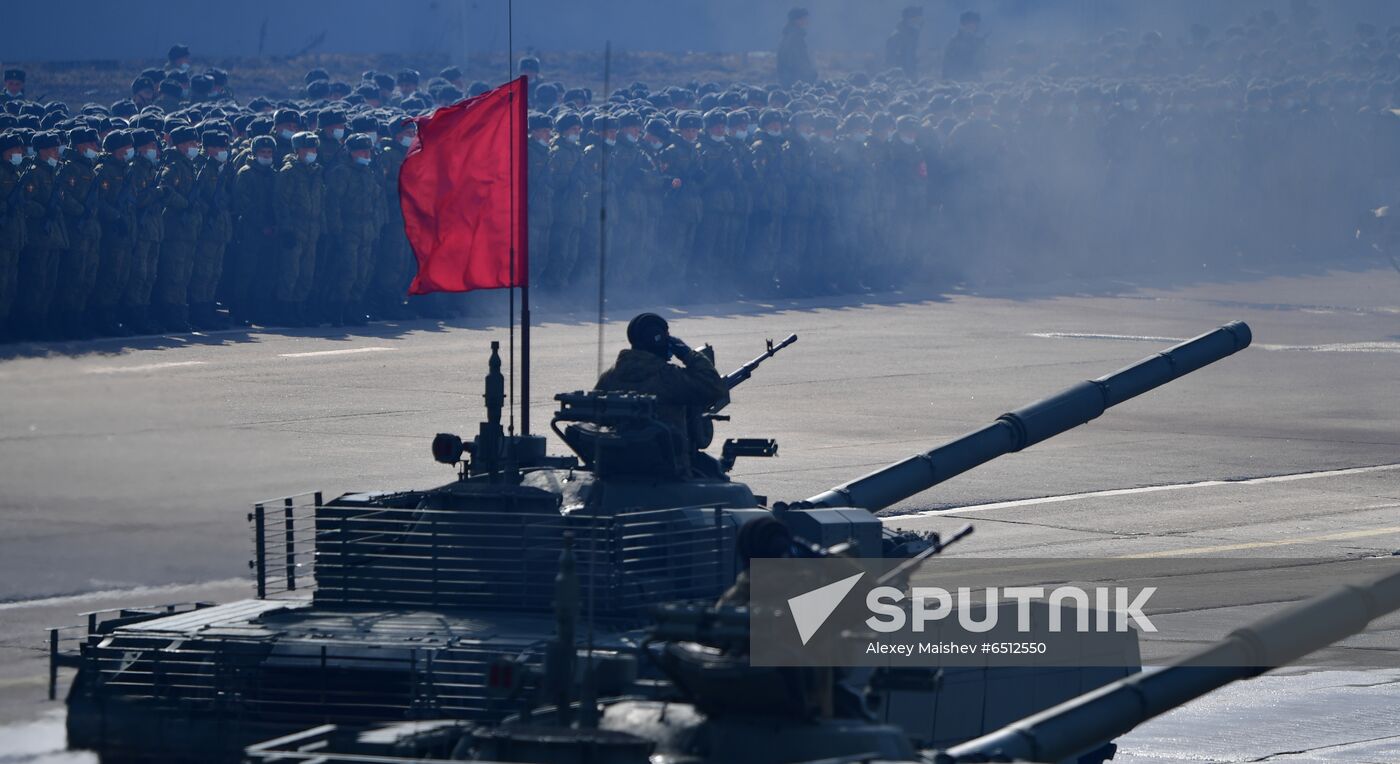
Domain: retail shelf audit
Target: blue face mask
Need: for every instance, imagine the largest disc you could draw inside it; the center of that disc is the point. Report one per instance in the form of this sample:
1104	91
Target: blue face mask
17	159
265	161
362	161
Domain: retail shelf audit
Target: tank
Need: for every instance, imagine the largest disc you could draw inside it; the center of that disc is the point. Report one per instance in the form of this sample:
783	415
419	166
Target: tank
719	709
418	604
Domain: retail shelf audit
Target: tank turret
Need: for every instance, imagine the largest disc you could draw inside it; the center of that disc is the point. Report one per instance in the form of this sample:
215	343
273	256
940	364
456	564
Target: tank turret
1028	425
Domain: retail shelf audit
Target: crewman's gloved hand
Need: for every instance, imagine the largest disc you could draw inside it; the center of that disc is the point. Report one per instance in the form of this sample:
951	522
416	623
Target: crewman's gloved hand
678	347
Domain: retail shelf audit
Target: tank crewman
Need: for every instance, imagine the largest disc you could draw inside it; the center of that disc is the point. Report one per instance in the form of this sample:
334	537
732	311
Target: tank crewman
354	210
147	199
299	197
643	368
902	47
718	178
14	86
213	184
794	61
78	265
255	258
180	229
392	254
679	165
567	174
117	215
12	235
45	235
541	190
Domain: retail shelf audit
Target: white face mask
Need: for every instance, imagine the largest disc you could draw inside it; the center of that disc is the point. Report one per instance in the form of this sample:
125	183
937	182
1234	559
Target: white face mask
338	133
287	135
631	138
89	154
17	159
542	142
610	141
128	154
51	161
265	161
310	158
775	132
572	138
152	155
407	141
192	152
824	138
906	140
184	67
362	161
741	134
221	156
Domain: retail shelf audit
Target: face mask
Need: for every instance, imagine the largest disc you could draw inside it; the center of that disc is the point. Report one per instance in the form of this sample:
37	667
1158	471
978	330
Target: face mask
824	138
89	154
265	161
51	161
287	135
906	140
654	143
741	134
152	155
184	67
221	156
128	154
776	133
31	153
861	137
338	133
309	158
572	138
542	142
17	159
631	138
407	141
192	152
806	134
362	161
610	141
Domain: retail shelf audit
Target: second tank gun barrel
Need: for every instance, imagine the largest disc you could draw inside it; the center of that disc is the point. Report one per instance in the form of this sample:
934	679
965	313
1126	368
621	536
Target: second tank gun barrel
1031	424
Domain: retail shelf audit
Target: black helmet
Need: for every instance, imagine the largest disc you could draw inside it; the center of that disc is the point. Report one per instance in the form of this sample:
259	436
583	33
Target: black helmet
649	332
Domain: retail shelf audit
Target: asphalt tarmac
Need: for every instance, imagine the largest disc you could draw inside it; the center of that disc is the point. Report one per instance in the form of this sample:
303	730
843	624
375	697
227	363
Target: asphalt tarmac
127	467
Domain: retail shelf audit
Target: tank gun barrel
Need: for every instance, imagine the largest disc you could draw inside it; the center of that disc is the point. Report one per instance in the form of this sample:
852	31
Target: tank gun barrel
1111	710
1031	424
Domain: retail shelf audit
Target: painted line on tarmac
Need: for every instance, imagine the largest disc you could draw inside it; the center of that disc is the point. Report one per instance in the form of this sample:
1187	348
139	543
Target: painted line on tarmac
135	591
143	367
343	351
1341	536
1381	346
1288	478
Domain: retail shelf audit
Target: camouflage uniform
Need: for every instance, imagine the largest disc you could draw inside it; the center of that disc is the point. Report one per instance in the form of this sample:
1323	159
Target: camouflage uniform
566	171
45	240
354	202
118	219
541	201
215	232
256	248
793	256
697	386
683	209
180	226
12	236
78	263
769	206
719	177
392	255
147	198
299	198
634	181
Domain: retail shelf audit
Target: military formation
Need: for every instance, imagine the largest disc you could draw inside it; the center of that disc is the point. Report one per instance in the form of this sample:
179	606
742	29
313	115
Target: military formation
183	207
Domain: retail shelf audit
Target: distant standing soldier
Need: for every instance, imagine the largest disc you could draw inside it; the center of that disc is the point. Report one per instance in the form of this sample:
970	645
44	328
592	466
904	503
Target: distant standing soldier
78	264
255	224
180	226
214	180
636	183
719	177
117	215
11	223
355	210
679	165
541	193
962	58
770	195
147	202
392	254
567	174
794	62
902	47
907	174
738	137
14	86
46	237
300	194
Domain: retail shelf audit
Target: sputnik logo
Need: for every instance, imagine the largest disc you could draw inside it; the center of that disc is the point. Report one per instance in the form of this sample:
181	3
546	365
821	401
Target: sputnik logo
810	610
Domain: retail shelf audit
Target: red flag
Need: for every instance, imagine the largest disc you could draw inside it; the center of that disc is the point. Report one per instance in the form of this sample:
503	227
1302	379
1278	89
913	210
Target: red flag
462	191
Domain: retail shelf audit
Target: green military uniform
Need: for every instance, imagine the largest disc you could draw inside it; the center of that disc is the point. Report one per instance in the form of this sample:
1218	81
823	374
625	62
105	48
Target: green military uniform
634	180
541	193
392	259
117	215
12	236
697	386
147	202
180	225
299	196
45	239
78	263
567	172
683	210
719	177
212	190
769	205
354	203
794	256
252	283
